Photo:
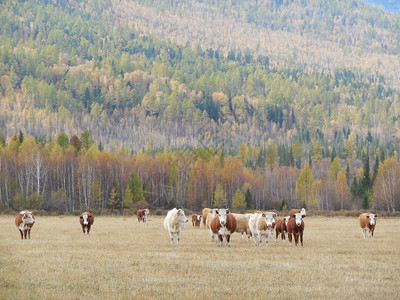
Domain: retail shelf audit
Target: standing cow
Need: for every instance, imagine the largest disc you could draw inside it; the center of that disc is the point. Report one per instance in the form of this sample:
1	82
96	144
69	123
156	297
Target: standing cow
262	224
24	222
174	223
281	228
223	224
295	226
86	219
196	219
142	215
204	214
242	227
367	221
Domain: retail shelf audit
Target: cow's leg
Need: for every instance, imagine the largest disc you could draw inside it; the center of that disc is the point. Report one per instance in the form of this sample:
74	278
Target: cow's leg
228	240
171	236
22	235
283	237
255	239
29	234
267	238
178	235
296	239
364	232
276	235
301	238
212	236
25	232
290	238
259	239
372	232
88	229
220	240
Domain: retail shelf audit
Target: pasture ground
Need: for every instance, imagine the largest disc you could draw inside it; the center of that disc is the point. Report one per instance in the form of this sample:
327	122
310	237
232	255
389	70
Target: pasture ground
122	259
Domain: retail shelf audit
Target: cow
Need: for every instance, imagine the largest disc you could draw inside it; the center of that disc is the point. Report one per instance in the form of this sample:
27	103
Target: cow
223	224
367	221
196	219
209	219
86	219
295	226
142	215
281	228
174	223
261	224
296	210
242	227
24	222
204	214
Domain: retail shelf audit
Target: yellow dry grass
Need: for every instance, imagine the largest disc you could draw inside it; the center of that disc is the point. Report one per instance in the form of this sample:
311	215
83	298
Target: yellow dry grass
122	259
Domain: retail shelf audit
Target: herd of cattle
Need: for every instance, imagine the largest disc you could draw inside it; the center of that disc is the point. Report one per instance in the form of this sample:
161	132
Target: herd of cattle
221	223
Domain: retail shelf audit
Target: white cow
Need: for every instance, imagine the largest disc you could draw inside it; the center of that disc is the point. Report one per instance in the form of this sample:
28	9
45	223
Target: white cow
262	224
174	223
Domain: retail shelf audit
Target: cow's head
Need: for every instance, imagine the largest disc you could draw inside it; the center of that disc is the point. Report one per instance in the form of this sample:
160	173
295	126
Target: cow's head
198	218
222	213
181	216
372	218
299	218
85	218
146	212
270	218
27	218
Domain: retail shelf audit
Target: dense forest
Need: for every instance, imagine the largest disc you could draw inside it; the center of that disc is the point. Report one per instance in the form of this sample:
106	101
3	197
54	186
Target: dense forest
199	91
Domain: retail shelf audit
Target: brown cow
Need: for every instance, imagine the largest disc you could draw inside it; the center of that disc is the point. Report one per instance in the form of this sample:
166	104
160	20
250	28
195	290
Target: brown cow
24	222
86	219
223	224
281	228
242	227
367	221
142	215
196	220
204	214
295	226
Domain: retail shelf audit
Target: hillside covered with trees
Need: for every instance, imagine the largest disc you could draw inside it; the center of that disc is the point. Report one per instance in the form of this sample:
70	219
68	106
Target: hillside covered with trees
265	88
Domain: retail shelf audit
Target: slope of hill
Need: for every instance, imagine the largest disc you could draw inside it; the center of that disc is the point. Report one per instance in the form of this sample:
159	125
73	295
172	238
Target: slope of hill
198	73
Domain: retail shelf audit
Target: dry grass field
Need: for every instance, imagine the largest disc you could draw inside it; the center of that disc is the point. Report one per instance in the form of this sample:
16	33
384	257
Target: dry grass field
122	259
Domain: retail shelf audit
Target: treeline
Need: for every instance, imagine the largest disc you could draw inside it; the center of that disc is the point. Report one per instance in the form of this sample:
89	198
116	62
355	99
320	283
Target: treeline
74	173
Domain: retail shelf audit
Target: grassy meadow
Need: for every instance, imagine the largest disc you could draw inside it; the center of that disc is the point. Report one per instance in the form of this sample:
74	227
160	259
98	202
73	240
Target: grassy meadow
122	259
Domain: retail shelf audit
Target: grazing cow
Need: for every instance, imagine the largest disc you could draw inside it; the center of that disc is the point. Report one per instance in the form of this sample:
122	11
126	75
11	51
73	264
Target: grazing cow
196	219
86	219
242	227
367	221
295	226
142	215
174	223
204	214
295	211
223	224
281	228
261	224
24	222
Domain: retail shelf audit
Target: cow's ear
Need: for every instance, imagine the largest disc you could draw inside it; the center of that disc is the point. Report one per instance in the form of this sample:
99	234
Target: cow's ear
217	212
264	215
80	217
227	211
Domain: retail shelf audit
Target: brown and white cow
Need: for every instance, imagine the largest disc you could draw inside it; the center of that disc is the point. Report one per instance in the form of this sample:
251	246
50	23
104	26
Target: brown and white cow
296	210
262	224
281	228
86	219
204	214
367	221
142	215
24	222
223	224
295	226
196	219
174	223
242	227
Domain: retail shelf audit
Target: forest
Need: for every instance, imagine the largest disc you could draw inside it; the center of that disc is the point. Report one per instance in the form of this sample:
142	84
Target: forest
105	104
